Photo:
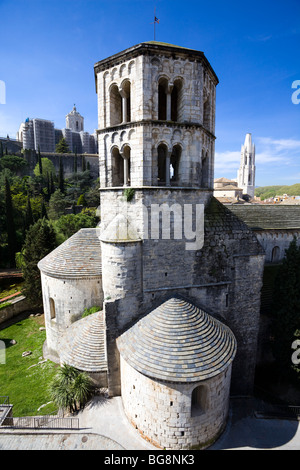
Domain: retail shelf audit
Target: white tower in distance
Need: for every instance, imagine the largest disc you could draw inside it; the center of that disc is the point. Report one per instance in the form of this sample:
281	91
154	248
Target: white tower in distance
74	120
246	172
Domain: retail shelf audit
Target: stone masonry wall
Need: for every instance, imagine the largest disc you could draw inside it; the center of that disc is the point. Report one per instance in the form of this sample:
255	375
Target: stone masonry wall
81	294
163	412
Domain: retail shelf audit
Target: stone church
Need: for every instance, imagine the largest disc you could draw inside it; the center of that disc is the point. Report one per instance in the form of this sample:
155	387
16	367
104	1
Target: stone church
176	275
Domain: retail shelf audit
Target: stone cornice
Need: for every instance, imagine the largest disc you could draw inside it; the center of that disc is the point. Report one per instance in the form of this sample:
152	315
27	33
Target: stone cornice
154	48
151	122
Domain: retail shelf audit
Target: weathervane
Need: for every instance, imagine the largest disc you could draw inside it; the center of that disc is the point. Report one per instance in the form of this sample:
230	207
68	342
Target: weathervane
156	20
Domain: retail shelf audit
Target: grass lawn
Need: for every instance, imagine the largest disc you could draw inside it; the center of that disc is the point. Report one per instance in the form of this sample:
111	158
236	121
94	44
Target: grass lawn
10	289
26	387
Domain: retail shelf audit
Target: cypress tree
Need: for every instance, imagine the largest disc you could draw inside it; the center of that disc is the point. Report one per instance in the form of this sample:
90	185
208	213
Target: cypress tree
40	162
28	214
48	187
83	163
44	211
40	241
61	180
1	149
52	188
75	162
10	224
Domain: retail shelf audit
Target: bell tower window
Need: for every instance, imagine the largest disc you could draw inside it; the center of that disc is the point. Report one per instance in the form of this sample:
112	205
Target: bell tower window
206	114
115	106
121	166
162	99
125	94
174	164
204	170
163	164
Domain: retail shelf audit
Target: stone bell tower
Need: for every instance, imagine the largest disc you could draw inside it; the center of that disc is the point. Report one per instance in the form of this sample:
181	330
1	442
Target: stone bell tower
246	172
156	122
162	232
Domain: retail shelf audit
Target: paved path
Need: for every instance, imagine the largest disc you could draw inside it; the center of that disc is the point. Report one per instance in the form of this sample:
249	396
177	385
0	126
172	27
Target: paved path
104	426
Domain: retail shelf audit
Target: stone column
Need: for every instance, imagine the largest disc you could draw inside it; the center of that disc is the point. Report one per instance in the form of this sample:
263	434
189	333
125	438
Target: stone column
126	170
124	105
168	160
169	93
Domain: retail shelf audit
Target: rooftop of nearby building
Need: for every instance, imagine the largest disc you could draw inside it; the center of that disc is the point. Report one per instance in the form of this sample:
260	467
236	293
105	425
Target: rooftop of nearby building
178	342
83	345
267	216
79	256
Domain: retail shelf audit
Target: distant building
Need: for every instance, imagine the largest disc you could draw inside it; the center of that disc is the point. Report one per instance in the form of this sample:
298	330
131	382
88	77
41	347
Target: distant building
225	188
246	172
40	134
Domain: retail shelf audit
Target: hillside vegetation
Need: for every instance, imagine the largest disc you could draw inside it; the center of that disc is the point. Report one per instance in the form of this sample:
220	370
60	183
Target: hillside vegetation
264	192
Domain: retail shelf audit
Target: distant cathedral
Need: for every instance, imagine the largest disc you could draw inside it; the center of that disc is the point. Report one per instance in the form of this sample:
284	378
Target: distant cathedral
246	172
40	134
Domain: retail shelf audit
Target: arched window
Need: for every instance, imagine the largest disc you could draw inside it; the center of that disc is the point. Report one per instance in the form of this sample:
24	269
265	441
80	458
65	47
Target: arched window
199	400
121	166
162	99
126	156
162	152
176	101
204	170
275	254
117	168
52	309
174	163
125	91
115	106
206	114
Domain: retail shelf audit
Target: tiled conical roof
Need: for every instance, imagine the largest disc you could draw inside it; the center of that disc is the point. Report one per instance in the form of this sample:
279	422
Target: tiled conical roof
83	345
79	256
178	342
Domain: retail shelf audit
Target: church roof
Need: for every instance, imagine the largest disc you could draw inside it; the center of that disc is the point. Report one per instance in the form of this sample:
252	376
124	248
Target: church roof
79	256
83	344
178	342
268	216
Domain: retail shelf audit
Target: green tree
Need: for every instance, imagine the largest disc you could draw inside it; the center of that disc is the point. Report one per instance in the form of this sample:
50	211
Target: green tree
62	146
57	205
71	223
44	211
10	224
81	201
40	240
40	162
28	214
61	180
286	307
13	163
47	168
83	163
70	389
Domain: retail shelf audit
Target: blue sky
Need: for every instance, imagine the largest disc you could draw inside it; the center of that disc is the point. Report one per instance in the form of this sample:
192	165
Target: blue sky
48	49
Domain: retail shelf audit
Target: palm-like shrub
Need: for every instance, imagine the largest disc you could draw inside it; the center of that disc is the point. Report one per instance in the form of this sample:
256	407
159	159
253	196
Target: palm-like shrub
70	389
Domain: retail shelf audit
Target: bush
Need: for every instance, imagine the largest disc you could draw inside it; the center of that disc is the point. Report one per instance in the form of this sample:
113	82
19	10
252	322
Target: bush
89	311
70	389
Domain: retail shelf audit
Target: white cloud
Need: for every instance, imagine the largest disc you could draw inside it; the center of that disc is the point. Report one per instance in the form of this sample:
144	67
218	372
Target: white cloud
277	157
227	161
